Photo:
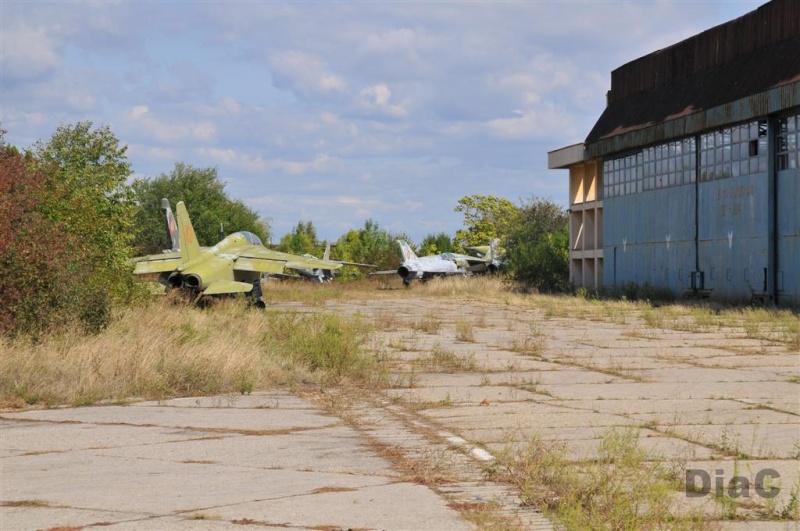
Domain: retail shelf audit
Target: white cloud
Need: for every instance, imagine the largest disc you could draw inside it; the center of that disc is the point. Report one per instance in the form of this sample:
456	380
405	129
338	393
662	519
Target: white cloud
337	111
304	74
257	164
375	100
140	118
28	53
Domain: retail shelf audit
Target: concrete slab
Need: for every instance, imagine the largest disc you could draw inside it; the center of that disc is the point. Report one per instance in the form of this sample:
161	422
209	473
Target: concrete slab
599	369
211	463
217	419
666	406
682	390
754	440
392	506
453	396
274	460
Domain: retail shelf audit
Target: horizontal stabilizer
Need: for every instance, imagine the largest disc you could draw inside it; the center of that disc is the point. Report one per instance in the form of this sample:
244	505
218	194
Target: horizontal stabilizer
227	286
157	263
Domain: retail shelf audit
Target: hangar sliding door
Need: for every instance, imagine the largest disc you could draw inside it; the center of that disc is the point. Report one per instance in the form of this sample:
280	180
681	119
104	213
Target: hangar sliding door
734	211
787	210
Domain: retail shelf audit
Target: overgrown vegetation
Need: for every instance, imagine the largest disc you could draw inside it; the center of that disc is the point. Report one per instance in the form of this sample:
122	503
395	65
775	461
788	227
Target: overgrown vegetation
538	247
622	488
66	222
161	351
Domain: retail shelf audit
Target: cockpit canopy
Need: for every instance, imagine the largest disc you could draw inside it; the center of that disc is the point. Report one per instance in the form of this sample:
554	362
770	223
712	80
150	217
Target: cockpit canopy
250	237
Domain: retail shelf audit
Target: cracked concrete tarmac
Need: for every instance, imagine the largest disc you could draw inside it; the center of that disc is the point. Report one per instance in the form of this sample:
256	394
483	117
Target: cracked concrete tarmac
482	378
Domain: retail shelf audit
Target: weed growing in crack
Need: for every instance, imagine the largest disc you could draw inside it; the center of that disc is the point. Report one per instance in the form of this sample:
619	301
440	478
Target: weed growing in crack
465	331
623	488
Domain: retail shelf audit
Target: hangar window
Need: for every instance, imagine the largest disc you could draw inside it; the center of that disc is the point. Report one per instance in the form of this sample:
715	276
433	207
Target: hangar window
733	151
661	166
787	143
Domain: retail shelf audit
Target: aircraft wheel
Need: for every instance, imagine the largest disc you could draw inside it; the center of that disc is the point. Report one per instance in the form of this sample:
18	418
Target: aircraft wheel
255	296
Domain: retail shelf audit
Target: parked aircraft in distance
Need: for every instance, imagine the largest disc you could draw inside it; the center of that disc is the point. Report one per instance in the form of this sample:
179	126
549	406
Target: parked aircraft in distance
320	274
234	265
424	267
489	259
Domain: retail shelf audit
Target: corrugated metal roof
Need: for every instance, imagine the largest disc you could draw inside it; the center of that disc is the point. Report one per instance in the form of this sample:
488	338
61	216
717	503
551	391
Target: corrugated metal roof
745	57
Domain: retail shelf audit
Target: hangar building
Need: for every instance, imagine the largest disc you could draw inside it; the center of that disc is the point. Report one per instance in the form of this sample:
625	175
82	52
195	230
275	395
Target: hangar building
690	179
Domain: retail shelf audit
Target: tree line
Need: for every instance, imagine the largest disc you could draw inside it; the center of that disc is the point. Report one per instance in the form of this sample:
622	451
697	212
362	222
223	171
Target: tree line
71	220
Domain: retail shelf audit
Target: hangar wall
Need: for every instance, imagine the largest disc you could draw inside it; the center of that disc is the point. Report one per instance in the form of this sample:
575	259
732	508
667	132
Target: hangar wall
696	159
715	213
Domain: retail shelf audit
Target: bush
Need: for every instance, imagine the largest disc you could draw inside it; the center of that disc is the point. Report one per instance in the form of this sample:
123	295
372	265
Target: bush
538	247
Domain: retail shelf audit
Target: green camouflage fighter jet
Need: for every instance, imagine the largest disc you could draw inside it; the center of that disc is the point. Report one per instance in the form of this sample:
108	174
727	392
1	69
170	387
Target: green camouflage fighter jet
234	265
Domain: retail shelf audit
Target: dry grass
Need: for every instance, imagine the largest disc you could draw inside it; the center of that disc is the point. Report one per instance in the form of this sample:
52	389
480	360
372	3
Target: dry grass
465	331
163	350
623	488
428	324
443	360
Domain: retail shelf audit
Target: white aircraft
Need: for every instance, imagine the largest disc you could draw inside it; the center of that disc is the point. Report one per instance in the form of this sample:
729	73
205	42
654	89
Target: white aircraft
425	267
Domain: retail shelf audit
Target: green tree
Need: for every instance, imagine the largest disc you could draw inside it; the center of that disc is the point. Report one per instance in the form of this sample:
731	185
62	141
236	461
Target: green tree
86	189
35	283
207	203
436	244
538	247
66	219
369	245
302	240
485	217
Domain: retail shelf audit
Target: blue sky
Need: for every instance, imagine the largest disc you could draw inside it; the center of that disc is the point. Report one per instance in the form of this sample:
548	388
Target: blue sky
336	112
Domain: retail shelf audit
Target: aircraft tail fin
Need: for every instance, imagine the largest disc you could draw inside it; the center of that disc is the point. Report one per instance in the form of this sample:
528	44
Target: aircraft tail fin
172	226
407	252
493	250
327	255
190	248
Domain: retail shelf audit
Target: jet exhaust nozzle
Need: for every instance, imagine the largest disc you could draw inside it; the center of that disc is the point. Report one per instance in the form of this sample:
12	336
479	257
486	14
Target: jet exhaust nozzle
175	280
192	281
403	272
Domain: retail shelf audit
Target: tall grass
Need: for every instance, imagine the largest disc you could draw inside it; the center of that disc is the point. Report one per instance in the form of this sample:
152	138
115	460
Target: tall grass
621	489
162	350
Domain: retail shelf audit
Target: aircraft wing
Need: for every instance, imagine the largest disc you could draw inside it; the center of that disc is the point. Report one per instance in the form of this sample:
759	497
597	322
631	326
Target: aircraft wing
473	261
257	258
340	262
157	263
227	286
354	264
261	265
308	263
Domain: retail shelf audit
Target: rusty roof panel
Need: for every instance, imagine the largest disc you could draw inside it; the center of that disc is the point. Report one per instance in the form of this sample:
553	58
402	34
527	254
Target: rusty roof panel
731	63
724	44
774	100
762	71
